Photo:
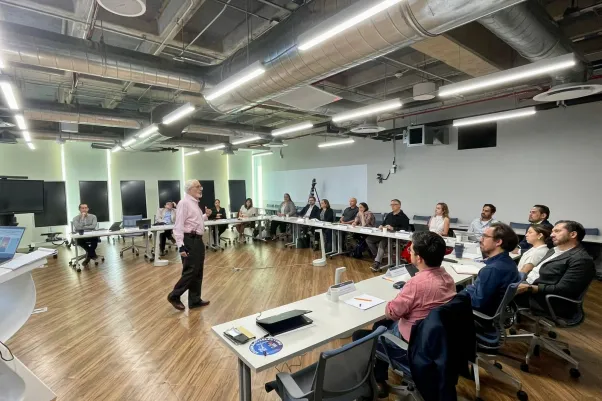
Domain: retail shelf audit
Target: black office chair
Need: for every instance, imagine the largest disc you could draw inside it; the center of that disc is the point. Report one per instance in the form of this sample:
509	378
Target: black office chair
343	374
421	218
592	231
74	262
521	226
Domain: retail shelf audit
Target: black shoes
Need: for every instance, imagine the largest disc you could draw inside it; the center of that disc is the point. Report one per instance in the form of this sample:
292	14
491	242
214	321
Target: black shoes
376	267
383	390
176	303
198	304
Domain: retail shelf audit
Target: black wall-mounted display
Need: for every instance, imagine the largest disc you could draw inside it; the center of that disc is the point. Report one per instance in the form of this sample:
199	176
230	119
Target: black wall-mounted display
21	196
238	194
208	194
55	205
133	198
477	136
96	195
169	190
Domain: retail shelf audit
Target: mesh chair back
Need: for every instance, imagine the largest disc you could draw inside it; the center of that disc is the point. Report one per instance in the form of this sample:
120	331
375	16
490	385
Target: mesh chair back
592	231
130	221
378	219
503	313
348	371
453	219
522	226
417	217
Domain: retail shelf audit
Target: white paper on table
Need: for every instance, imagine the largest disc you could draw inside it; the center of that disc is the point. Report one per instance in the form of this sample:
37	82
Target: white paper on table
471	256
360	303
466	269
25	259
366	230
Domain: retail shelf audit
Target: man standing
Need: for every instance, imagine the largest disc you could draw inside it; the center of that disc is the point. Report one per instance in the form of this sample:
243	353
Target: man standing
86	221
165	215
311	210
479	225
349	213
189	229
566	271
539	214
395	221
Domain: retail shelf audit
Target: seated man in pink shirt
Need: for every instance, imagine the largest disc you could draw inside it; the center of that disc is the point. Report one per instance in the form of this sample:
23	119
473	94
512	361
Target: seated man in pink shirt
431	287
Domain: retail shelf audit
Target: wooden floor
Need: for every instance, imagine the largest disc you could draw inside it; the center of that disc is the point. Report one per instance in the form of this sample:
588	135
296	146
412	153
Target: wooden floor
109	333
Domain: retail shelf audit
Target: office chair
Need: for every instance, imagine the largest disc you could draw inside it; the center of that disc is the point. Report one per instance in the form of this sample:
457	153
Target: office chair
537	340
491	336
73	262
592	231
344	374
379	218
167	244
453	220
422	218
521	226
130	222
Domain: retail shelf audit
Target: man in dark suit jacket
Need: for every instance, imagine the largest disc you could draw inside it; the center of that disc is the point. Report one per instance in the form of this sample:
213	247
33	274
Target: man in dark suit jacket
311	210
539	214
566	270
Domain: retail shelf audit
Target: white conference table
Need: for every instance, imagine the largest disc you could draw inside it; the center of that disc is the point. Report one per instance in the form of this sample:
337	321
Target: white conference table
331	320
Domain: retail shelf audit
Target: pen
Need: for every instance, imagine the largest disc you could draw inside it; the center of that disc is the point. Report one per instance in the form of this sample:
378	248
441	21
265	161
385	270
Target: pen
363	299
388	279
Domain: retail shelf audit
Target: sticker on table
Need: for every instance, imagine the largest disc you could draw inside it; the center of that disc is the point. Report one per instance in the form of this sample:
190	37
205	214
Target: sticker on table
266	346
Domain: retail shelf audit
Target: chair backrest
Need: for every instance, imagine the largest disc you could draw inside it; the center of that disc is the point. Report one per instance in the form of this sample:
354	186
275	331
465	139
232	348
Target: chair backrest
522	226
130	221
378	219
347	372
453	220
504	312
592	231
417	217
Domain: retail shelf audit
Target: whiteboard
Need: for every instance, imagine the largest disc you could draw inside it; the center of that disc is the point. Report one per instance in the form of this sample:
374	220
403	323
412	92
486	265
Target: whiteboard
337	184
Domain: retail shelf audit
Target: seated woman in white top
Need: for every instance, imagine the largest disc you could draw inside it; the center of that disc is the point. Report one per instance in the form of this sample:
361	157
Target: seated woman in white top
246	210
536	235
439	223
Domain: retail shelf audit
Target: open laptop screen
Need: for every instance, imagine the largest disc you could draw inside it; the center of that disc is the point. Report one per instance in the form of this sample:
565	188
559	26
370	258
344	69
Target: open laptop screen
9	241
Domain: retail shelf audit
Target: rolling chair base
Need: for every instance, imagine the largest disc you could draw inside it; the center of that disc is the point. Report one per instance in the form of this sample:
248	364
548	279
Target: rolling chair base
495	370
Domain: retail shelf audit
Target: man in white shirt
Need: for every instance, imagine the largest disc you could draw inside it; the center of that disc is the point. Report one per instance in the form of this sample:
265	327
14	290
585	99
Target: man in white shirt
479	225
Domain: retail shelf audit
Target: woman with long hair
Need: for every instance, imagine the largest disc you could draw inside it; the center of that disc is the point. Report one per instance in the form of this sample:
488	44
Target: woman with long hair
439	223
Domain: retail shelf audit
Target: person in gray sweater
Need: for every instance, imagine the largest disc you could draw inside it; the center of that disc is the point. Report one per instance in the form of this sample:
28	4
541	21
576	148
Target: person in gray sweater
86	221
287	209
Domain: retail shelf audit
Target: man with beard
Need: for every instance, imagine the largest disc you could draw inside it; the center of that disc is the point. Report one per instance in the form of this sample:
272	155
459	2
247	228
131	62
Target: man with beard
479	225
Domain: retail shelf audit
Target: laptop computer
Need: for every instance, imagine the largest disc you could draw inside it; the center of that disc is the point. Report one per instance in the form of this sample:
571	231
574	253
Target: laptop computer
284	322
143	224
115	226
10	237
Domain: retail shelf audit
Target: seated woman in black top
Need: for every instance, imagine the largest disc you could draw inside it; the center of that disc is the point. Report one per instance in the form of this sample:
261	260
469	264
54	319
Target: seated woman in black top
326	214
218	213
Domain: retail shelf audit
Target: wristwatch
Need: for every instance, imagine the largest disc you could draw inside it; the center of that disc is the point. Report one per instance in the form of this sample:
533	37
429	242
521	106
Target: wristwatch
530	288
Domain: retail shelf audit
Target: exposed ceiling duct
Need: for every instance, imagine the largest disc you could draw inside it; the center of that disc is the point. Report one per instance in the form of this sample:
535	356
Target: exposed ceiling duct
41	48
287	68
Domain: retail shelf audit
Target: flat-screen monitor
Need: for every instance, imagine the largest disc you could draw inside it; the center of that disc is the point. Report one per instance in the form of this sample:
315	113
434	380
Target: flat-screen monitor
169	191
21	196
208	198
416	135
95	194
133	198
55	206
477	136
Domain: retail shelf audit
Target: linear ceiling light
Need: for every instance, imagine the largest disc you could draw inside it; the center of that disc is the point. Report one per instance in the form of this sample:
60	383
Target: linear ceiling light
151	129
486	118
116	149
26	136
9	95
216	147
31	146
335	143
240	78
247	140
292	128
194	152
368	110
129	142
21	121
178	113
348	18
266	153
537	68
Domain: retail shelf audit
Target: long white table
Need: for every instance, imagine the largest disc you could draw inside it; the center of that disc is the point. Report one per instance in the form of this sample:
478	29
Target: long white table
332	320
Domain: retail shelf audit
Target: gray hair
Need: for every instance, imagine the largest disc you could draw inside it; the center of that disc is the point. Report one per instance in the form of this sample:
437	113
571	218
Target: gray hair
188	184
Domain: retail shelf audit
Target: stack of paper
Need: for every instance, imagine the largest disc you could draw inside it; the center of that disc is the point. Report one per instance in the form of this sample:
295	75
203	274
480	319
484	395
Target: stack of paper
466	269
364	301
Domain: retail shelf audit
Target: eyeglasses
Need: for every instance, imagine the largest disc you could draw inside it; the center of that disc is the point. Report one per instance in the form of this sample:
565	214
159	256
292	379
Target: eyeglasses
394	204
486	236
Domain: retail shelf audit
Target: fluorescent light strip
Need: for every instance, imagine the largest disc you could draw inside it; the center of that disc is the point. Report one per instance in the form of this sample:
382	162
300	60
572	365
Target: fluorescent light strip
508	76
292	128
178	113
505	115
31	146
368	110
247	140
21	121
151	129
194	152
129	142
336	143
247	74
9	95
366	14
267	153
110	185
216	147
26	136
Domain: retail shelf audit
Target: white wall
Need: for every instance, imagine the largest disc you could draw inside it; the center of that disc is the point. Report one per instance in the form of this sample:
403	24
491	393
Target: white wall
552	158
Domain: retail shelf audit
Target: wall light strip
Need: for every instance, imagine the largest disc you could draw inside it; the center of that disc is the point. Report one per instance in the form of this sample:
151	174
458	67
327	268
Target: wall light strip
293	128
26	136
216	147
9	95
368	110
178	113
116	149
194	152
486	118
151	129
110	186
247	140
31	146
240	78
537	68
20	121
335	143
350	17
266	153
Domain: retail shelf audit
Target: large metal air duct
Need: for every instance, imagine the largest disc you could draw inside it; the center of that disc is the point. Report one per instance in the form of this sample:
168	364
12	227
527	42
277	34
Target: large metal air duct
31	46
288	68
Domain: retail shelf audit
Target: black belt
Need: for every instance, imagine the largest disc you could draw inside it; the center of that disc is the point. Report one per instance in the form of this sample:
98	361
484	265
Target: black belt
193	234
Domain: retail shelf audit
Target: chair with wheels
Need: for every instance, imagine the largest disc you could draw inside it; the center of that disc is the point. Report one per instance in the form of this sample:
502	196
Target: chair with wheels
537	340
491	336
130	222
74	262
343	374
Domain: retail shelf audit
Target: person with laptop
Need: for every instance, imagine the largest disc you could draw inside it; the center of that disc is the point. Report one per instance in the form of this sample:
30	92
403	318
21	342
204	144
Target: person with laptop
86	221
429	288
480	224
395	221
166	215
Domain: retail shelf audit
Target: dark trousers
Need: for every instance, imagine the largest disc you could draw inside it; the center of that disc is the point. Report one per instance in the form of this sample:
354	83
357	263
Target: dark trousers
218	231
163	239
192	270
381	368
274	226
89	245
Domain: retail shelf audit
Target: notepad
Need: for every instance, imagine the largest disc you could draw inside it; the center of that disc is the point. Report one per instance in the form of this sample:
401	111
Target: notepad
466	269
364	301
